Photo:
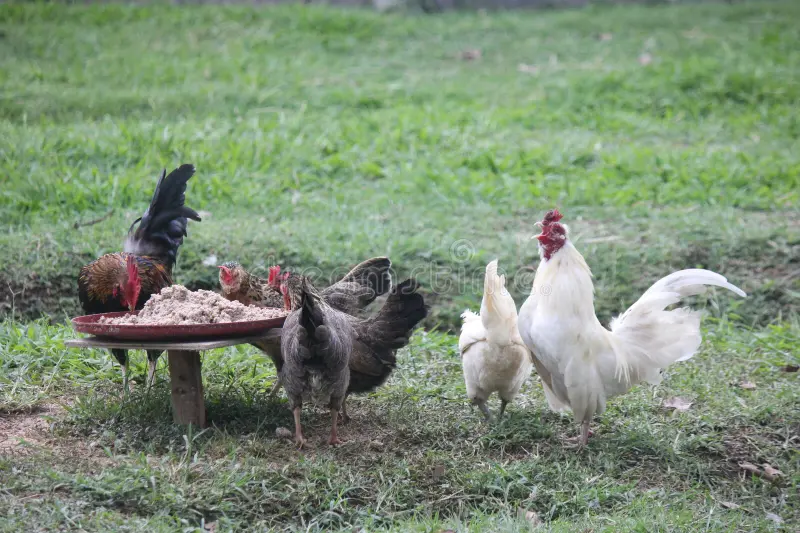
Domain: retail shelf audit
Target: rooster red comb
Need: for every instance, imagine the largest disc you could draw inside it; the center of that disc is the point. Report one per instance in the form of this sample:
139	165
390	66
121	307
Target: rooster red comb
274	271
551	216
132	268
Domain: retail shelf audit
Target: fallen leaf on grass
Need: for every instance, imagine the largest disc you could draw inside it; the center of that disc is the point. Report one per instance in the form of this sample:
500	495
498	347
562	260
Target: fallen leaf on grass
677	403
528	69
471	55
775	518
605	37
790	368
532	517
750	467
438	472
730	505
747	385
645	59
771	473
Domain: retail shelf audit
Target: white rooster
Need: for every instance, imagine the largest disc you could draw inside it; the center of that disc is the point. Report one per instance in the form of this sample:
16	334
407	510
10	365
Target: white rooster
493	355
588	363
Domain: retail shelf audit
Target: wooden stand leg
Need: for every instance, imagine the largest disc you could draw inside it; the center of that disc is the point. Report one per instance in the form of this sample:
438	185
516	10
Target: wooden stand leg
188	404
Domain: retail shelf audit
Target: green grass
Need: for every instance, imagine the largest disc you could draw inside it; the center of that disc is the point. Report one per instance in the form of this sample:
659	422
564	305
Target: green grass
322	137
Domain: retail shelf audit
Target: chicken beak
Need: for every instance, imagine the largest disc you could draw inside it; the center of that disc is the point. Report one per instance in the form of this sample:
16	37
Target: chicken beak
539	224
539	237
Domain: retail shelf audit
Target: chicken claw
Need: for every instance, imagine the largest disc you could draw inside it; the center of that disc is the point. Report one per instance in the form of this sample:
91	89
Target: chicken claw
580	442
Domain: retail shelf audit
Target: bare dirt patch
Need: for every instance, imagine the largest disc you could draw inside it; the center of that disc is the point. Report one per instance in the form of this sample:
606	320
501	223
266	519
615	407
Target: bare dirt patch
22	433
33	435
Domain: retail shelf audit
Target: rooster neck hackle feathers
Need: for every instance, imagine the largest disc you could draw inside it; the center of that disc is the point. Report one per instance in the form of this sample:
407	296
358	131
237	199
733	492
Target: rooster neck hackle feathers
565	280
98	280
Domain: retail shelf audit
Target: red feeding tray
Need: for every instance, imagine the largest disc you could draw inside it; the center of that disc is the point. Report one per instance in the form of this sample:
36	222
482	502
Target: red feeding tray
91	324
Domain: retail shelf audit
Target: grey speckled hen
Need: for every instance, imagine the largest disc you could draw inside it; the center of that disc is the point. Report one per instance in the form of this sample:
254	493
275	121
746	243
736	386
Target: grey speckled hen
316	345
354	292
377	338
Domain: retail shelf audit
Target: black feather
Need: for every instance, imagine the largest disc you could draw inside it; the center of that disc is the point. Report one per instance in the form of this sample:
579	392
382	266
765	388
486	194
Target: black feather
391	328
163	226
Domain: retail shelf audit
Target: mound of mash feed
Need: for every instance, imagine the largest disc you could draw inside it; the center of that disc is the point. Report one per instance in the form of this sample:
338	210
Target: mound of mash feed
177	305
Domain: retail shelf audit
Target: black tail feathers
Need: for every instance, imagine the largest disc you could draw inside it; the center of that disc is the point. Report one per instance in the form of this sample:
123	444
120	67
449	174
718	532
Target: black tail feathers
163	226
403	310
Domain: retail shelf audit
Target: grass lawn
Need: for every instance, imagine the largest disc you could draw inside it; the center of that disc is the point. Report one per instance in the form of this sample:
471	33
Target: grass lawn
667	135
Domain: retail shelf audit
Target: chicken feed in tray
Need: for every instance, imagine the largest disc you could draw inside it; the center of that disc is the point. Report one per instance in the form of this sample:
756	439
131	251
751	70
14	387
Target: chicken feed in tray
177	305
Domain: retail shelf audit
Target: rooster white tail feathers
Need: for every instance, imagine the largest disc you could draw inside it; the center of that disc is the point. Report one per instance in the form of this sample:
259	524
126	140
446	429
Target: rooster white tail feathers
647	337
692	281
498	310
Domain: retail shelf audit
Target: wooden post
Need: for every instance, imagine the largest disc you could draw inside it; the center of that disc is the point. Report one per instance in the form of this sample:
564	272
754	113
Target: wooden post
188	406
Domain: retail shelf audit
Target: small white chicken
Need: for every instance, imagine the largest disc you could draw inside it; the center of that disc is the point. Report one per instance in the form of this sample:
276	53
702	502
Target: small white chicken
493	355
587	363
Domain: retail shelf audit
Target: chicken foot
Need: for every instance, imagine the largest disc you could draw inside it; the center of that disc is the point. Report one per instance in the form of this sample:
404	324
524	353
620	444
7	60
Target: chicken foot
582	440
298	429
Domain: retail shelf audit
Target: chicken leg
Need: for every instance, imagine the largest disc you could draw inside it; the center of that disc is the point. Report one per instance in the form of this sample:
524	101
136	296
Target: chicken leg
152	361
503	404
122	358
275	388
334	440
484	409
298	429
345	416
585	432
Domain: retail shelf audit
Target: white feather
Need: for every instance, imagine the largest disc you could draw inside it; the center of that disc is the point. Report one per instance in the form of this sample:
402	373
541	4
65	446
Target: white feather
589	364
493	357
